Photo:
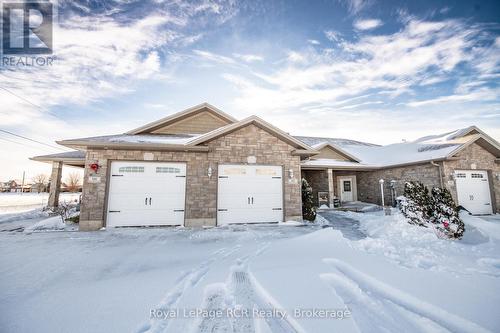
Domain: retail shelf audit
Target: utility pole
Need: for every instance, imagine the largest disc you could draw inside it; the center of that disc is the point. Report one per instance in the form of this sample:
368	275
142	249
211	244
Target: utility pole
22	185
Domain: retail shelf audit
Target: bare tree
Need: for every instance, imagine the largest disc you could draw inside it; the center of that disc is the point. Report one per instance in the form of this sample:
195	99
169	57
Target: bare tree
73	181
41	182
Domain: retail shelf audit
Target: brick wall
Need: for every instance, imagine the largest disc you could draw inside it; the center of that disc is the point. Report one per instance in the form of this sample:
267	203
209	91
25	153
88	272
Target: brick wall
318	180
475	157
369	187
201	191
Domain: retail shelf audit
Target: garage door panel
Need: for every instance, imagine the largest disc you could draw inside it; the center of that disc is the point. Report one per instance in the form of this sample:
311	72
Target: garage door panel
146	193
249	194
473	191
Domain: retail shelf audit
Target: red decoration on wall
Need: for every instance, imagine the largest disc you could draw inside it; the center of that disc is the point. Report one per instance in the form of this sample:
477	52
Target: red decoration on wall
94	166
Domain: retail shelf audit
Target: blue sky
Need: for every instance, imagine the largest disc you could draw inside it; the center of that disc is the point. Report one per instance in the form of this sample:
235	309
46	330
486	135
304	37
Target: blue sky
378	71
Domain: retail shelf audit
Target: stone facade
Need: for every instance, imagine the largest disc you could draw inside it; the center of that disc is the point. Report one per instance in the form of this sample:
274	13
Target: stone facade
55	184
369	186
201	191
318	180
472	157
475	157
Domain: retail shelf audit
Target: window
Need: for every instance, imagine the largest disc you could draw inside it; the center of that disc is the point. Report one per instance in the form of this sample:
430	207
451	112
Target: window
167	170
460	175
347	186
476	175
131	169
265	172
235	171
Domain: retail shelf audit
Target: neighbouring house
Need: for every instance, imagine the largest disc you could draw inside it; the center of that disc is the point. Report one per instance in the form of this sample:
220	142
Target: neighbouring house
9	186
202	167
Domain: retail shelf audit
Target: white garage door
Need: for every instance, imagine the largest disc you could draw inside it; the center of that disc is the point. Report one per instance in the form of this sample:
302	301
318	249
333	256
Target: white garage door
146	193
473	191
249	194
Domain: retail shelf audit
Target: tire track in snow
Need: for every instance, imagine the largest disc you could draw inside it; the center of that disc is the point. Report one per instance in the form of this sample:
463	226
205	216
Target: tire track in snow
241	292
375	304
186	281
215	299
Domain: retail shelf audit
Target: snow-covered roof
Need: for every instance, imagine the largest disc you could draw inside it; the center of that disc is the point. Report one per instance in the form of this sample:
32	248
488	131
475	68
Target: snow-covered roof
335	164
140	138
69	154
75	158
428	148
312	141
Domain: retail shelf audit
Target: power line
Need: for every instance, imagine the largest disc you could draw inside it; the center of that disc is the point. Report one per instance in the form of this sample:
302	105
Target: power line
33	104
36	141
24	144
24	99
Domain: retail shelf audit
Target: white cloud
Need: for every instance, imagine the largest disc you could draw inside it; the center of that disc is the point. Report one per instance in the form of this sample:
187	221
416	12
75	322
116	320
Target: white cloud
313	42
367	24
248	57
212	57
355	6
483	94
332	35
296	57
389	66
98	56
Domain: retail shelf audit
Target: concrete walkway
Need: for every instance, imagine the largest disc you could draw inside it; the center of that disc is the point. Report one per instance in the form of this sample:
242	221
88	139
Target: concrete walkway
349	227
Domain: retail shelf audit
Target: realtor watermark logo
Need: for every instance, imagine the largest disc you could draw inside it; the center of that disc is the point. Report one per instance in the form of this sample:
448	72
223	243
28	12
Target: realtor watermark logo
27	28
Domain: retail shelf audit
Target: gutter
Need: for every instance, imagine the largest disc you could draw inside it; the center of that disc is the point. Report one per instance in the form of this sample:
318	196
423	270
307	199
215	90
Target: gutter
131	146
440	173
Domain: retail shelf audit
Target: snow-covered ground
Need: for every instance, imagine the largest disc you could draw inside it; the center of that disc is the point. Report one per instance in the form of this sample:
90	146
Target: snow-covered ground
19	211
17	202
400	278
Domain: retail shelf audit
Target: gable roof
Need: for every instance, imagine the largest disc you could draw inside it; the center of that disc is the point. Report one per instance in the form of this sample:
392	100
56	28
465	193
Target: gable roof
336	148
425	149
257	122
204	107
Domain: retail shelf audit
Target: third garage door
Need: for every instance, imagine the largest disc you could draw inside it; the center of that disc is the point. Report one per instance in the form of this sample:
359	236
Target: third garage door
249	194
473	190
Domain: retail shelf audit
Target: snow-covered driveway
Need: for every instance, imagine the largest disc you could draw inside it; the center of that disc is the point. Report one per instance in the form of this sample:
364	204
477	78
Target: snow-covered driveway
349	227
127	280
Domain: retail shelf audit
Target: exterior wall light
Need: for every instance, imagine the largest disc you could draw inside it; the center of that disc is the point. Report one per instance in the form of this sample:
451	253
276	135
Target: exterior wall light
290	173
381	182
209	172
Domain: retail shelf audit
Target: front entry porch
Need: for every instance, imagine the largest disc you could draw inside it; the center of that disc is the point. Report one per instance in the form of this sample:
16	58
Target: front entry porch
73	159
332	187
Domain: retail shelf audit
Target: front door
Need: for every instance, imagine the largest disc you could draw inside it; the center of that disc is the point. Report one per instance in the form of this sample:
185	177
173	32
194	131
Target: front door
346	189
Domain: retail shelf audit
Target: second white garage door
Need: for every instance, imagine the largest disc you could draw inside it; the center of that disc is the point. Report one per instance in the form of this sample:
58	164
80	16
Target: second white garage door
249	194
473	191
146	194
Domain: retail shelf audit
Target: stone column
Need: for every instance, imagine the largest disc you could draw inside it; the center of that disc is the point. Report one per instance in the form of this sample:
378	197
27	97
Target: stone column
331	192
55	184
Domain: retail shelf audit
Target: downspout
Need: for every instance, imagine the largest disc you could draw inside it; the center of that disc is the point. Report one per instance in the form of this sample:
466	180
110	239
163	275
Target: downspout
440	173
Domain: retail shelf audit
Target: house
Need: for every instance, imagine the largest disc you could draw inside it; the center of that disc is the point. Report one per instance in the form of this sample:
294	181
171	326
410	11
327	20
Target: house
9	186
202	167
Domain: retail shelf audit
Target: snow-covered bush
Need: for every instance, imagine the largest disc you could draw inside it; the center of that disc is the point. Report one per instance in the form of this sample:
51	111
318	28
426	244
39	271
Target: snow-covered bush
436	210
445	214
308	208
415	203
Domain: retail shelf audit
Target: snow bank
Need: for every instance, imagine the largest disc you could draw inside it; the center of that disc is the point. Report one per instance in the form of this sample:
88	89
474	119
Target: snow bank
21	202
484	227
52	223
28	215
418	247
